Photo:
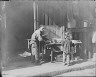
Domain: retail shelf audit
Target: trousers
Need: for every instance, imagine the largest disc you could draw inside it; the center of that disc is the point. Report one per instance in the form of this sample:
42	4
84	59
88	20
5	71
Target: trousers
66	58
66	52
35	51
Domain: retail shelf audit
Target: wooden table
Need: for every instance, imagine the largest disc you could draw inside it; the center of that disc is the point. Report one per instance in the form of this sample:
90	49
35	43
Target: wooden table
51	45
75	42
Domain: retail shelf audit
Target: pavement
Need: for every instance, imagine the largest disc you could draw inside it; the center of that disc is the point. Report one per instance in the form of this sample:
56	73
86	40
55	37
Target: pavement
26	69
85	72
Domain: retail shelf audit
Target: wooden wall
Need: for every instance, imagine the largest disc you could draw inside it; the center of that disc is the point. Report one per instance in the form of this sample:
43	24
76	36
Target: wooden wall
54	31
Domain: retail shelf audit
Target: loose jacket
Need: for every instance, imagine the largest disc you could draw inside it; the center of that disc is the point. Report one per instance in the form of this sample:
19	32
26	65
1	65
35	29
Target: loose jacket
67	42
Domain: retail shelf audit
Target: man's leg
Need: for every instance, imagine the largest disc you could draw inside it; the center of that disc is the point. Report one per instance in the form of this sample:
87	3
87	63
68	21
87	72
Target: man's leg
33	58
37	56
64	58
37	53
0	67
41	50
94	52
32	54
68	59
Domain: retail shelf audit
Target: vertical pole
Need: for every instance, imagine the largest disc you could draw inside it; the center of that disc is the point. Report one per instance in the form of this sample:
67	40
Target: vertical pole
37	17
4	42
67	16
0	42
34	8
51	54
3	14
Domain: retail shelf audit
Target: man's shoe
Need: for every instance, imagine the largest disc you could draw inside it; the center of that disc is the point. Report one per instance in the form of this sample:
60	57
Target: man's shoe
47	60
68	64
37	63
64	64
33	61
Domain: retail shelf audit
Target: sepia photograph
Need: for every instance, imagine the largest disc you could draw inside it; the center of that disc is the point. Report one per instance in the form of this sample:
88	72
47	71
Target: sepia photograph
54	38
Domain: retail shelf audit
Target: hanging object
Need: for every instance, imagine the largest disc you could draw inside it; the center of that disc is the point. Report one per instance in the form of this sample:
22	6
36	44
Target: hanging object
69	25
85	23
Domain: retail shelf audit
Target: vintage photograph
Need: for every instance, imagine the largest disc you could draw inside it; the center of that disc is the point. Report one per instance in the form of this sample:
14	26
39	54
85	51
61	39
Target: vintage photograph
47	38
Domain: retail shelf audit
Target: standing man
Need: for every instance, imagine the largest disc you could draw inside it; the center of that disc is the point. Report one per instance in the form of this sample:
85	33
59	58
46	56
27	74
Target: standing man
36	45
94	45
0	62
66	51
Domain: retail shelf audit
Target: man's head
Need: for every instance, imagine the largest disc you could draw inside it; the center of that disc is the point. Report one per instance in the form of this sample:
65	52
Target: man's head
41	28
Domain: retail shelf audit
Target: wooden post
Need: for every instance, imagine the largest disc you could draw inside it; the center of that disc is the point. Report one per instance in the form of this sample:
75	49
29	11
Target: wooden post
51	54
34	8
28	40
0	42
37	15
4	38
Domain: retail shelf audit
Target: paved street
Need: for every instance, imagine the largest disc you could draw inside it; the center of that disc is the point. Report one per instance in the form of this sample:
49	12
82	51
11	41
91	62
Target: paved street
86	72
49	69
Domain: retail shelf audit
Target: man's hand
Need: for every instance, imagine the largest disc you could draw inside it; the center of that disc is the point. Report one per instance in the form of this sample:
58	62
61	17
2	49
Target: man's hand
44	35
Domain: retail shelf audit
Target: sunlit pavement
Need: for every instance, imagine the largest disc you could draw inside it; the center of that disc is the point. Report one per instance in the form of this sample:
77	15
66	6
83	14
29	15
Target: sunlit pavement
86	72
49	69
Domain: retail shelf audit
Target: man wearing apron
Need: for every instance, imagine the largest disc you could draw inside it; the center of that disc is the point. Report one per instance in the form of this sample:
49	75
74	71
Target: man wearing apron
36	38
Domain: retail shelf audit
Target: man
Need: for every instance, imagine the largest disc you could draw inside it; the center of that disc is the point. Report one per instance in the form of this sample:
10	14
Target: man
66	51
36	45
0	64
94	45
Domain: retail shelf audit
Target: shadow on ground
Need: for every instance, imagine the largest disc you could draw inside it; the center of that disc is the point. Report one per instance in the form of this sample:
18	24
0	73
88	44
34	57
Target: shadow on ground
21	62
78	61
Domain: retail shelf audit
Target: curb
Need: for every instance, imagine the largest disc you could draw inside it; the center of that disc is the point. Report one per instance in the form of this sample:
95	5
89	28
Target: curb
55	73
